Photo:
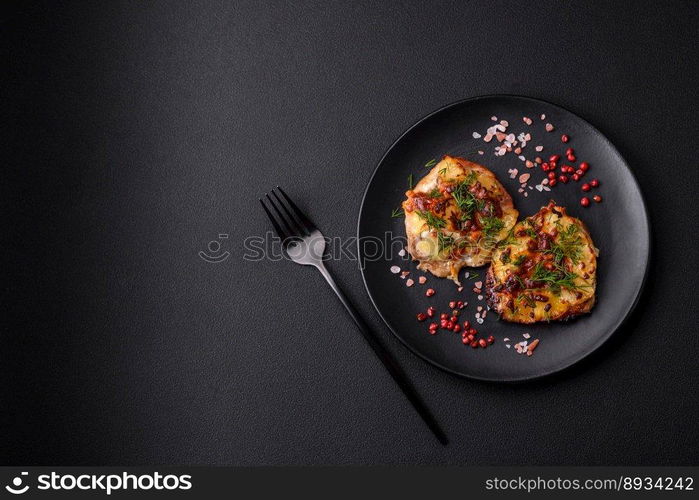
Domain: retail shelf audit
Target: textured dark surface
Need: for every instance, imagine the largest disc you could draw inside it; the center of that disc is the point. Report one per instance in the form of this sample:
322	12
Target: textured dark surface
134	134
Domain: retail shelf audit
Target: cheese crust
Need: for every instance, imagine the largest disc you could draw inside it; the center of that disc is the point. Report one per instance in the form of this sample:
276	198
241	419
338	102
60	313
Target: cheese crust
544	270
455	215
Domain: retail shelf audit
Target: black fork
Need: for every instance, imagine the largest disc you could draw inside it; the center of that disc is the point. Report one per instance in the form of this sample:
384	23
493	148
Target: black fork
304	244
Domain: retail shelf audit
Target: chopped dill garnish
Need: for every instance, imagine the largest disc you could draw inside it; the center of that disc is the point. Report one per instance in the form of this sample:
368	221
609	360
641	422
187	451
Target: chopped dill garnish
432	220
465	199
435	193
491	228
509	239
555	279
442	171
410	181
444	241
519	260
568	245
529	301
431	163
505	258
397	212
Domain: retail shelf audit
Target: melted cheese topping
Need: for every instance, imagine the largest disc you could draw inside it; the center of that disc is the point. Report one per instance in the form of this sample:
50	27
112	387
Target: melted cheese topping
455	215
544	270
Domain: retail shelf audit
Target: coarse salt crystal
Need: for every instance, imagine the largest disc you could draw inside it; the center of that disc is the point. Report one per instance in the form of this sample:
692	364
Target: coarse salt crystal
480	321
524	177
480	152
404	274
546	188
508	346
529	164
395	269
548	127
478	284
488	137
526	194
527	120
410	282
504	123
543	117
521	157
526	336
460	289
401	252
466	275
476	135
506	339
422	280
480	297
494	118
539	148
539	187
479	308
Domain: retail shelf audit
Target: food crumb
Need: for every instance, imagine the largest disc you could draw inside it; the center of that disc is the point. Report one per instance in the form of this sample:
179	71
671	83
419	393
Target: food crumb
395	269
422	280
410	282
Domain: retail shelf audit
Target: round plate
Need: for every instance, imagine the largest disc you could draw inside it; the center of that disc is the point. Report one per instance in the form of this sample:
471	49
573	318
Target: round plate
619	227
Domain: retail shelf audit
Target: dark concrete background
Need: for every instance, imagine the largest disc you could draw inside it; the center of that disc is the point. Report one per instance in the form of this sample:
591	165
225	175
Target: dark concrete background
134	133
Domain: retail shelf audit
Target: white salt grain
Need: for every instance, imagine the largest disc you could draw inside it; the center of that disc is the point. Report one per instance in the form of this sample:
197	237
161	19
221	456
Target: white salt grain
539	148
395	269
409	283
476	135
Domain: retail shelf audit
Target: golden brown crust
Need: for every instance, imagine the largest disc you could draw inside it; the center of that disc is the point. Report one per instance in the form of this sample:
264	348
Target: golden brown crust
455	215
545	270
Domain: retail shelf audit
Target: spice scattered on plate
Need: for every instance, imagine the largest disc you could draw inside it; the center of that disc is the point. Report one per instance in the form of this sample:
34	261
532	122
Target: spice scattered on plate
395	269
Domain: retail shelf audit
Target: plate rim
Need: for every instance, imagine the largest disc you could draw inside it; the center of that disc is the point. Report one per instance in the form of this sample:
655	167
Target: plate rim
558	368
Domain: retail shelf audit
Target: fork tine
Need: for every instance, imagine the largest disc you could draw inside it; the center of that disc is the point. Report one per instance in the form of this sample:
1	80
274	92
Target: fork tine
299	214
280	232
290	231
293	221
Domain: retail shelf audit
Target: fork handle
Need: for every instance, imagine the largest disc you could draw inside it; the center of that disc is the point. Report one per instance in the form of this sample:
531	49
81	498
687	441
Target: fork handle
387	359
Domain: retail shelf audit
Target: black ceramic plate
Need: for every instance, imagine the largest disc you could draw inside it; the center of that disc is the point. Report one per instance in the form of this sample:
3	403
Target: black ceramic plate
619	227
